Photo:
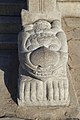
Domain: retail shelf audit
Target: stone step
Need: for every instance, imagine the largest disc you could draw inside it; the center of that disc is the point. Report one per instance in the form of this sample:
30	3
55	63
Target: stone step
10	24
8	41
11	7
10	118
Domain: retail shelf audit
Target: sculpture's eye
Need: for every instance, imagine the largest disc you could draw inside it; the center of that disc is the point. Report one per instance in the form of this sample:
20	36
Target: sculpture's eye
54	47
28	43
55	44
33	47
30	48
31	43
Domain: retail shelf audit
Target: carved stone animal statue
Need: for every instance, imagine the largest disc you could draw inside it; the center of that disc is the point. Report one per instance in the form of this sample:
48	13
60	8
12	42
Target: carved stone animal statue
43	55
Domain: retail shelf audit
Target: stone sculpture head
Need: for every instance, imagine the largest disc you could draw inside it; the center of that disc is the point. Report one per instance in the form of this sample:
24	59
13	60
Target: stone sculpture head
39	52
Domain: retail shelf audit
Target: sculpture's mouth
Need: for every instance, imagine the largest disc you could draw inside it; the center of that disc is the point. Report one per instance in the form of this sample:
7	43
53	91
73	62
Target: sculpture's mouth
41	62
43	72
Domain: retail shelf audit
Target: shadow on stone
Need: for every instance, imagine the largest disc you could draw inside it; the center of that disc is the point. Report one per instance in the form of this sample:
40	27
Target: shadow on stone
9	65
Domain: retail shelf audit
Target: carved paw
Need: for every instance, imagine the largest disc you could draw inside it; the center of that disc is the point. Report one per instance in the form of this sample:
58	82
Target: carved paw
44	93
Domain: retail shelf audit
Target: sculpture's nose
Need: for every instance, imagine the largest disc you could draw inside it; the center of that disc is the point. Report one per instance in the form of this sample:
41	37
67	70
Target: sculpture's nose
43	57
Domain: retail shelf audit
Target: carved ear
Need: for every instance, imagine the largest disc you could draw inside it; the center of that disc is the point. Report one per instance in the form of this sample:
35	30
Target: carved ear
62	37
22	39
56	23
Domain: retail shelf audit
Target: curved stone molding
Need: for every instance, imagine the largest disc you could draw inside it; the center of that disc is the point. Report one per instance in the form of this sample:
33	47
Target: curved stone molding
40	9
43	55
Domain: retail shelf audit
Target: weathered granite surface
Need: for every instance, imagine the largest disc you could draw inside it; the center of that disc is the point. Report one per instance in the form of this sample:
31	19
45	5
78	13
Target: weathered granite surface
13	118
71	27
